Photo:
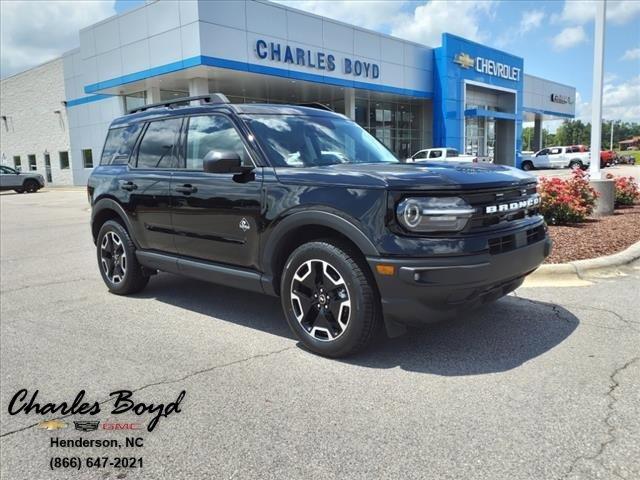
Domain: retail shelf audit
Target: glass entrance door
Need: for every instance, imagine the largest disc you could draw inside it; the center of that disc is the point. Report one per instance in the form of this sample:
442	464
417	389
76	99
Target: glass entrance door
479	136
47	167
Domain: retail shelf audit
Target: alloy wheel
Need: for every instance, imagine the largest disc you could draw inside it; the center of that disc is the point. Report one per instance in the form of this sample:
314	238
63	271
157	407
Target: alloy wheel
113	257
320	300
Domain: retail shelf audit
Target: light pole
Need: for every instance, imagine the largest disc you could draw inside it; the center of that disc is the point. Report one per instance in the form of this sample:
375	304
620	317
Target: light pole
605	188
611	139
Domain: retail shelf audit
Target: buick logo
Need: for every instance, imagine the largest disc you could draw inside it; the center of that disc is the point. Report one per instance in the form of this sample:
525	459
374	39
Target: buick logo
532	201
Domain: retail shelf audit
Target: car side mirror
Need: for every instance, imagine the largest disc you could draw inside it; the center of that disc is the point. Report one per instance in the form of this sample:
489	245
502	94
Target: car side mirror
222	161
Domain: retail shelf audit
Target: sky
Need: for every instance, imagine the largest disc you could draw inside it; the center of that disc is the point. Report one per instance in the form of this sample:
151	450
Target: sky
555	37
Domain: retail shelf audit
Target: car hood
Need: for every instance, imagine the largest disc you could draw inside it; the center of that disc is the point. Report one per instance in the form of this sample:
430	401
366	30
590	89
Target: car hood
408	176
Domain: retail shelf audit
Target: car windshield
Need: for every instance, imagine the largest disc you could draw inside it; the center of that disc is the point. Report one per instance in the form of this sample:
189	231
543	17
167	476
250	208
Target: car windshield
309	141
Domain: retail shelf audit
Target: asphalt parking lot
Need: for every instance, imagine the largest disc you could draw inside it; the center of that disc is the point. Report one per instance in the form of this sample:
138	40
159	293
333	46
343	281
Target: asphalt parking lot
544	384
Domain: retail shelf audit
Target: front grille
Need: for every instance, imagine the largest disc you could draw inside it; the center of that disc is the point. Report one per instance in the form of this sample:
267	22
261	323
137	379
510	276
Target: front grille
507	243
483	199
502	244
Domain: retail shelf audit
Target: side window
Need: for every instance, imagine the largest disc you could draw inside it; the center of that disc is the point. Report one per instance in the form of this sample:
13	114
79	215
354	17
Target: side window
543	152
119	143
157	145
452	153
420	155
554	151
6	171
435	154
212	132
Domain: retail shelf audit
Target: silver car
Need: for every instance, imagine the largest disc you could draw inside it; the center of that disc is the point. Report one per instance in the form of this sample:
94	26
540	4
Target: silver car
11	179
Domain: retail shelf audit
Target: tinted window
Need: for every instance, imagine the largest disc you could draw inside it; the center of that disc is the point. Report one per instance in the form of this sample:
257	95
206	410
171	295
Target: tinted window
213	132
452	153
7	171
119	143
435	154
157	146
420	155
307	141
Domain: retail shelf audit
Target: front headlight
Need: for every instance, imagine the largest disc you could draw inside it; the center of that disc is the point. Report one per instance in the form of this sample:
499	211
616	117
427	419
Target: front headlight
434	214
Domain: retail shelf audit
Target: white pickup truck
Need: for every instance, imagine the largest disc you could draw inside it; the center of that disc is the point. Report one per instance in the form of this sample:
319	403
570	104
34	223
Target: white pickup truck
439	154
557	157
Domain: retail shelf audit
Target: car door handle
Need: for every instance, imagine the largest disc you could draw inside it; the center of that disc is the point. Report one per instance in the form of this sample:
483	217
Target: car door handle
129	186
186	189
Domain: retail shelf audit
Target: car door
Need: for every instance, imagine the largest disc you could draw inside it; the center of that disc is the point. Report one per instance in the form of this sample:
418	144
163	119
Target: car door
9	178
556	158
145	184
216	216
541	159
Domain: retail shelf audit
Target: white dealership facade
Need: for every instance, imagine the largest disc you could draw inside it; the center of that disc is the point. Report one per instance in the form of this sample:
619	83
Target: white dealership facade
460	94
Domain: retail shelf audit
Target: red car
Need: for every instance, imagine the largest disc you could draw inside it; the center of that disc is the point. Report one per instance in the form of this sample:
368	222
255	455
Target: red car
607	157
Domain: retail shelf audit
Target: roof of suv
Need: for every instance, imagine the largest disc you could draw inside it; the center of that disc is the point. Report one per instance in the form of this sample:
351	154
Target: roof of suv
239	108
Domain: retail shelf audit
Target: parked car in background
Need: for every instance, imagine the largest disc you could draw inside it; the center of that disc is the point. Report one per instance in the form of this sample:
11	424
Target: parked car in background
607	157
11	179
557	157
440	154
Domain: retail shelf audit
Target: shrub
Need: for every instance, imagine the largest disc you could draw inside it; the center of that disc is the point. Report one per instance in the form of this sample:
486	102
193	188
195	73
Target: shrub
566	201
627	191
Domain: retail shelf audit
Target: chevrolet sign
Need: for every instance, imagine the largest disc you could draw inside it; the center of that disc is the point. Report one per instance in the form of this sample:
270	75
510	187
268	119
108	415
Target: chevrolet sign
532	201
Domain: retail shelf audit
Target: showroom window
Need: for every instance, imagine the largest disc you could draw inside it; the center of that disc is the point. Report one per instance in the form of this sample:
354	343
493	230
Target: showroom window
31	159
87	158
64	160
17	163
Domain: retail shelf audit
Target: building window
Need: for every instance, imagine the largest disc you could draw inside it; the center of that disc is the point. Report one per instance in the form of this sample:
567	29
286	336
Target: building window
32	162
17	163
135	100
87	158
64	160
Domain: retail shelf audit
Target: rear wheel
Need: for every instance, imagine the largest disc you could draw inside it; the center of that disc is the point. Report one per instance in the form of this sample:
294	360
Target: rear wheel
118	264
527	166
575	164
31	186
329	299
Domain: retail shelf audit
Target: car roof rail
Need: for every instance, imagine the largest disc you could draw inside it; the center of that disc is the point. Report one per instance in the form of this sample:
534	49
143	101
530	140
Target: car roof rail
318	105
212	98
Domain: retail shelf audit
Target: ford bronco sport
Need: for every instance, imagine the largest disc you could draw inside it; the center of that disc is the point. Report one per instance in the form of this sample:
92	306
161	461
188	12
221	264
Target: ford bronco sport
302	203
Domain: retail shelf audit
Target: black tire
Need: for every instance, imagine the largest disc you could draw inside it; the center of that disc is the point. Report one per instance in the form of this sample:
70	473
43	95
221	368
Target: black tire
132	277
575	165
527	166
353	299
31	186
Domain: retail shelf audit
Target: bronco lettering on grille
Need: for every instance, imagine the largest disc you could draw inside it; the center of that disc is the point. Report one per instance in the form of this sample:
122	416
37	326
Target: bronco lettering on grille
512	206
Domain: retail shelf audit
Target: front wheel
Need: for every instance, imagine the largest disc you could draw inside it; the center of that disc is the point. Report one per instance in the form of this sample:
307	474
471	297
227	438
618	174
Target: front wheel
118	264
527	166
31	186
329	298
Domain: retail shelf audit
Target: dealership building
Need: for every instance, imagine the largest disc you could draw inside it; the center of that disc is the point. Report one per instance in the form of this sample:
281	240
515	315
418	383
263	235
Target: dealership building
459	94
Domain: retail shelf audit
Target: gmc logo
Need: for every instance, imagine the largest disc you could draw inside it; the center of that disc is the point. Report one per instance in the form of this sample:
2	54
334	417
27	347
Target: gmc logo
120	426
513	206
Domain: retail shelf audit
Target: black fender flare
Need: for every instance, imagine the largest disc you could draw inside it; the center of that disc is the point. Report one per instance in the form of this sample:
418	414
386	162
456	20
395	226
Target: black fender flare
314	218
110	204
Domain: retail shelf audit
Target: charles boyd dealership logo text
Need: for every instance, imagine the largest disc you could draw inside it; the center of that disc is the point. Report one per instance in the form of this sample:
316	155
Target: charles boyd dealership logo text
23	402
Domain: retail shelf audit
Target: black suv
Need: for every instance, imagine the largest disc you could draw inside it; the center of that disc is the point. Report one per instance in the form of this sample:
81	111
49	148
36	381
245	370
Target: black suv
302	203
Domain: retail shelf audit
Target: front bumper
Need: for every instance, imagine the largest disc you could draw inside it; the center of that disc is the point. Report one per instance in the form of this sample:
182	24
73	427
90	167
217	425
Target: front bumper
428	290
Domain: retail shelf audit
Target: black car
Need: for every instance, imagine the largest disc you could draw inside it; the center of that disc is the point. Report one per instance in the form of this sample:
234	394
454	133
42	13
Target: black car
302	203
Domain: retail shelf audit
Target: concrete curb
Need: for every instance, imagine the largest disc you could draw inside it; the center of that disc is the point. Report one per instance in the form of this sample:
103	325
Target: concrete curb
579	269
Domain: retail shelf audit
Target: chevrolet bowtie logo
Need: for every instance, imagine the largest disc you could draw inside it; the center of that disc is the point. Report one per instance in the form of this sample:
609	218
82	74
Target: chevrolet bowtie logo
464	60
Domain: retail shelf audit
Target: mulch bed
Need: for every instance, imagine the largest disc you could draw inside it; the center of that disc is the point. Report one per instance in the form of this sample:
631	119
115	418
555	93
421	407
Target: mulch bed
595	237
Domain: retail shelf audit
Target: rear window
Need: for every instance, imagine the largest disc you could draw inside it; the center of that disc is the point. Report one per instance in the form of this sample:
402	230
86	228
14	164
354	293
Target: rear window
119	143
452	153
